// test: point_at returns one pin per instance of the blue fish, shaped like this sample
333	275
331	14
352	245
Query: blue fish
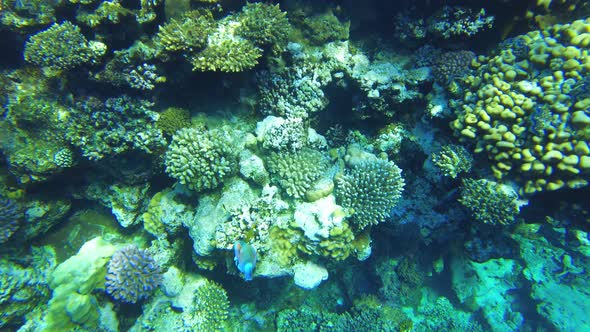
245	258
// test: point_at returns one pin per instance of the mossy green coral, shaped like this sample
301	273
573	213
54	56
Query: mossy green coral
173	119
452	160
200	159
209	311
188	34
296	172
62	46
228	55
265	25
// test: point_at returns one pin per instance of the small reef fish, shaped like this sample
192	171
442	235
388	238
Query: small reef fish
245	258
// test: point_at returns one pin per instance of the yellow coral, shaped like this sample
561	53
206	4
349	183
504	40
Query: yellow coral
528	109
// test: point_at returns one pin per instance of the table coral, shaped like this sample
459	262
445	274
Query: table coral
519	109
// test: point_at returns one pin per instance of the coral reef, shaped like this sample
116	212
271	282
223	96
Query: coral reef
62	46
490	202
24	287
114	126
452	160
369	189
132	275
11	216
295	172
200	159
518	110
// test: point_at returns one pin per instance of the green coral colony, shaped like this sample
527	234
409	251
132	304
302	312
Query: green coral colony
376	165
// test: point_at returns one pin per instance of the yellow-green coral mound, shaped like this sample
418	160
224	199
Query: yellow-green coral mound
209	310
527	108
200	159
62	46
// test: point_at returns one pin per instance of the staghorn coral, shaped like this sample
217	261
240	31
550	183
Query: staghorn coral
370	189
490	202
62	46
200	159
132	275
295	172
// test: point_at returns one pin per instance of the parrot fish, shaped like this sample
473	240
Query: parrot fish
245	258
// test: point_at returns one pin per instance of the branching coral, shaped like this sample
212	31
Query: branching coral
296	172
173	119
370	189
132	275
227	55
291	94
114	126
489	201
188	34
200	159
265	25
209	311
62	46
452	160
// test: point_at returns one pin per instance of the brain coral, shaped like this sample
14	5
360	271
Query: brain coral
132	275
370	189
200	159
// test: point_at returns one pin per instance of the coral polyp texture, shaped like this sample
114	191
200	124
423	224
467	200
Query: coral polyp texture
132	275
452	160
199	158
62	46
11	216
296	172
370	189
490	202
523	109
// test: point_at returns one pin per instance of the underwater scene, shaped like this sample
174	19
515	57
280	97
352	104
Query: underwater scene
295	165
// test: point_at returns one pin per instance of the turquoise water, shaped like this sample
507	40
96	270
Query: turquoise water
216	165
